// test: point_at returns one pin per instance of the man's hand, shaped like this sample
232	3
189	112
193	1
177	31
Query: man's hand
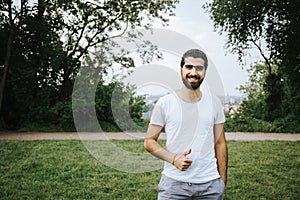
181	162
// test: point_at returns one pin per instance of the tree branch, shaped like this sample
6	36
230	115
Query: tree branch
122	33
79	38
91	43
263	55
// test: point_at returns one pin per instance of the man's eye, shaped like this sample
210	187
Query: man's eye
189	66
199	68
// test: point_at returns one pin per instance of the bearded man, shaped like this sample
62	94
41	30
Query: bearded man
195	155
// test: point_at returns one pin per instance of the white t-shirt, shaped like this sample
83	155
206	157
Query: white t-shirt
190	125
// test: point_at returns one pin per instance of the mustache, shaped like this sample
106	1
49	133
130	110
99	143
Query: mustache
193	76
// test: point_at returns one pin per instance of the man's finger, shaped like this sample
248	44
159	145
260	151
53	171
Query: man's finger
187	152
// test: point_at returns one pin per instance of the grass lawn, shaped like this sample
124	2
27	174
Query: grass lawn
66	170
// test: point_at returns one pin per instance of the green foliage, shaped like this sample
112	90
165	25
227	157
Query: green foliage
118	105
244	123
272	27
48	49
62	115
274	88
262	111
287	123
66	170
264	93
246	22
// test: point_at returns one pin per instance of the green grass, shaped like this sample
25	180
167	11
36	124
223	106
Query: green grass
66	170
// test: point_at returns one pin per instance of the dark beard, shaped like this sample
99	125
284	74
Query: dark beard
192	86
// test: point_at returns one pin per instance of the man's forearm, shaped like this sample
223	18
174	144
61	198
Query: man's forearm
180	161
222	160
158	151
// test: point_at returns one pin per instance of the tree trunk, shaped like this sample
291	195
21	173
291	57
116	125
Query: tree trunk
7	57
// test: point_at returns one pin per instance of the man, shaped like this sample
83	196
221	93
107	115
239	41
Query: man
195	156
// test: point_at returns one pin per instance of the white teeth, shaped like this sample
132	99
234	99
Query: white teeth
193	78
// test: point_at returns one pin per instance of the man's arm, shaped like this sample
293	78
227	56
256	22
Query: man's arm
151	145
221	150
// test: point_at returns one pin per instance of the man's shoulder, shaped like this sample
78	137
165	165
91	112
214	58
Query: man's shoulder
213	97
167	97
167	101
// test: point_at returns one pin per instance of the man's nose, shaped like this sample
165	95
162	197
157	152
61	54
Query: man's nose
193	70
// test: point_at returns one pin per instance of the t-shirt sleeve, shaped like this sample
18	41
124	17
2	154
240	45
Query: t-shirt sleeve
158	116
219	116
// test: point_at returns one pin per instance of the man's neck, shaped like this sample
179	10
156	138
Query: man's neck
190	95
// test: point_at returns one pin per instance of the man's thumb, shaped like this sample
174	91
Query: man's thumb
187	152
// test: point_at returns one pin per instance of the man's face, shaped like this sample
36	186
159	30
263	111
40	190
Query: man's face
193	72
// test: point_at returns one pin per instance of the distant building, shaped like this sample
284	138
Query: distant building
230	103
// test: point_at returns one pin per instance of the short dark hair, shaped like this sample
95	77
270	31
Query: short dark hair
194	53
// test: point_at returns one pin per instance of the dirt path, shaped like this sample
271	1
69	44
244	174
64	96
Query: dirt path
135	136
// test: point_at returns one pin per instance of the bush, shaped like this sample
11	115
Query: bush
109	127
289	123
62	116
241	123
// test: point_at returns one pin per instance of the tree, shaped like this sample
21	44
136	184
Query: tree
30	82
10	22
272	27
46	43
255	89
249	23
94	23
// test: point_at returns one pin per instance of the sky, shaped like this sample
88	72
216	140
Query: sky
192	21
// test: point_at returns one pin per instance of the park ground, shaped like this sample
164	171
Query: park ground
240	136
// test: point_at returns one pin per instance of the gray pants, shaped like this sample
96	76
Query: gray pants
169	188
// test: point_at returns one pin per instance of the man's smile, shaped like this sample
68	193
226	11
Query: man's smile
193	77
